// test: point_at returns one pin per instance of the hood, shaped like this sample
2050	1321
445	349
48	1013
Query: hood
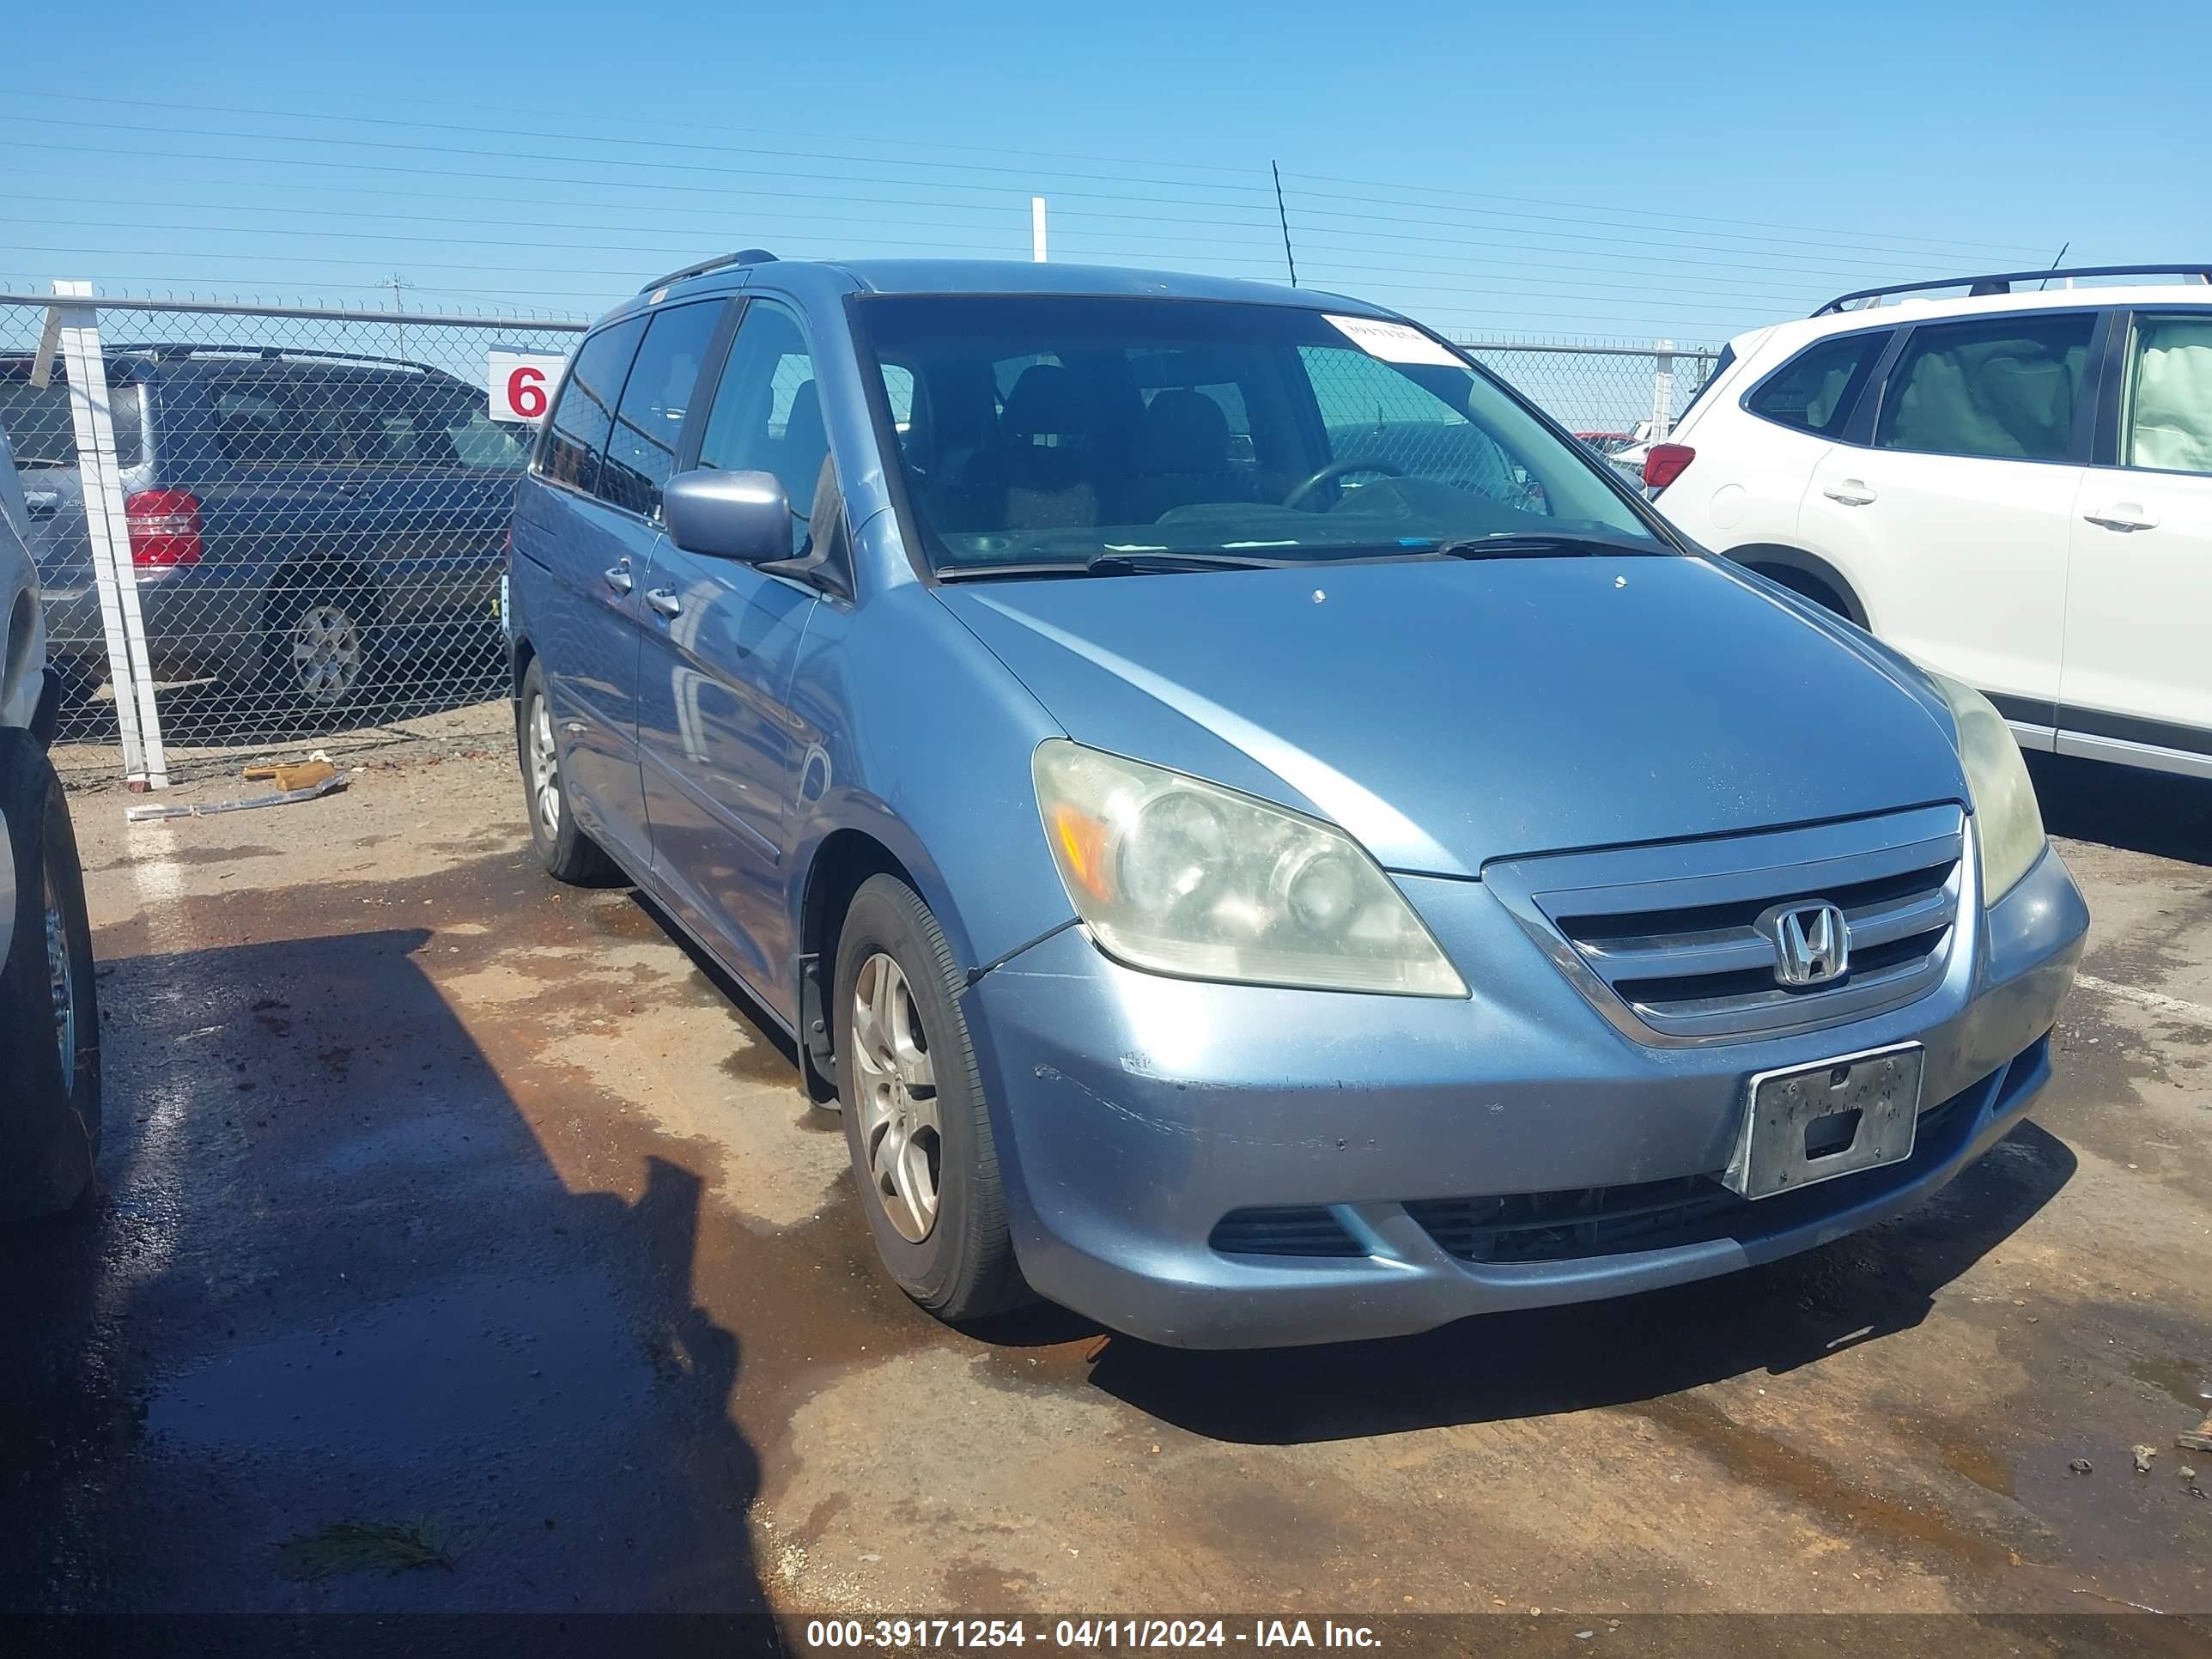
1446	713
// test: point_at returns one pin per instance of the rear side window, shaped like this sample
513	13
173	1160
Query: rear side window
2168	425
41	430
1816	390
576	431
270	421
2005	388
642	450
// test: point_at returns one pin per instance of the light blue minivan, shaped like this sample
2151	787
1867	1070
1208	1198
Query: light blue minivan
1266	838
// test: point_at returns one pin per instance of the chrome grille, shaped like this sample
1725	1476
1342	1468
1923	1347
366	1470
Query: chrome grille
1664	941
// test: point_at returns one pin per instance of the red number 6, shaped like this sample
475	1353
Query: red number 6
526	391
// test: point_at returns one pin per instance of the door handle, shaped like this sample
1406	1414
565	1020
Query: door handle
2123	515
663	600
1852	492
618	577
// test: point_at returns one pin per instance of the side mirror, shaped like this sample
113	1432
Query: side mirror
728	515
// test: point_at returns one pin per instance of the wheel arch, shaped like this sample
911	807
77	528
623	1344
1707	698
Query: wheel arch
843	860
1799	572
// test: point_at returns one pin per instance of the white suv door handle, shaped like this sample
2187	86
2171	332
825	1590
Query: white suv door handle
2123	515
1852	492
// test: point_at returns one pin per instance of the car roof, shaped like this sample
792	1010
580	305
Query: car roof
1032	277
1912	308
823	278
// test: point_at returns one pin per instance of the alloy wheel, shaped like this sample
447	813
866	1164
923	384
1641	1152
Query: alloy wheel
326	651
902	1139
545	769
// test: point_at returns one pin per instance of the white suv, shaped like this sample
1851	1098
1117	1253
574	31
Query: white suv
2013	486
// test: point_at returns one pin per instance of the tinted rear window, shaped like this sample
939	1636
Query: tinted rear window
1816	390
40	427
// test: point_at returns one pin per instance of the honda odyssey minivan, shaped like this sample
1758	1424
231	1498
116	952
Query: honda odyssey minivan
1263	838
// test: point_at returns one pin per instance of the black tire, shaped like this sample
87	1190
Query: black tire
566	851
49	1107
333	621
964	1269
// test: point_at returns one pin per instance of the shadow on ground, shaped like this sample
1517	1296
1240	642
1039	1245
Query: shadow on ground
337	1336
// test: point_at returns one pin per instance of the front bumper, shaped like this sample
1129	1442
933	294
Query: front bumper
1133	1113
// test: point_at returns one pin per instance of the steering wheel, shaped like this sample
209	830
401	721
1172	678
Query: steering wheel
1336	469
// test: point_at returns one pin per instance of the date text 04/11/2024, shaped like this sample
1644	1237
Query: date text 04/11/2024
897	1634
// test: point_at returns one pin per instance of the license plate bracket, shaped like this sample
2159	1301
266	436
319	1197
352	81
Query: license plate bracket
1807	1124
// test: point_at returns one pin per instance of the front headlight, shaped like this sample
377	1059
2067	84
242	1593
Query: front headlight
1180	875
2007	821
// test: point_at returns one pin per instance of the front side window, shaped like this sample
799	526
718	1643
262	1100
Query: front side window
576	431
417	423
1056	429
2168	423
641	449
1816	390
767	416
2004	388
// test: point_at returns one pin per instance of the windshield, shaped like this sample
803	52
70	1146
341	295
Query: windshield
1058	429
38	425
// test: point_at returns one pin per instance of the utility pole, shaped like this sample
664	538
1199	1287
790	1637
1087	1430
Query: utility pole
1036	228
395	282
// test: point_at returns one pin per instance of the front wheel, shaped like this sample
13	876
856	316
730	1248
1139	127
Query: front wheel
914	1119
49	1012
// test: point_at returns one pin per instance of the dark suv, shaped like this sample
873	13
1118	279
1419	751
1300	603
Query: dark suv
293	515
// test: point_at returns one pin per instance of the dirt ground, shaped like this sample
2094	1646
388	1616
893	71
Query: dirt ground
466	1214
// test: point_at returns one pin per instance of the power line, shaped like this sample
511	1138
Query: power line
664	165
632	243
1155	217
906	145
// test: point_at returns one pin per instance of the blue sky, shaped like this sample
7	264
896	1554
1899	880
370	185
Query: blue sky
1567	170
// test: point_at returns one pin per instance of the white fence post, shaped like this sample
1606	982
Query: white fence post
74	331
1662	389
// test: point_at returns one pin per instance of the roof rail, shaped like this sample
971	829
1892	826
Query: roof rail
172	350
743	256
2001	281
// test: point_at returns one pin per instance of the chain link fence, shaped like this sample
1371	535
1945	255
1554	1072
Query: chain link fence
291	531
1604	392
264	529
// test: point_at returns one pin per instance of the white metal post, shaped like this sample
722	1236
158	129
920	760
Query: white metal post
1662	390
74	331
1036	228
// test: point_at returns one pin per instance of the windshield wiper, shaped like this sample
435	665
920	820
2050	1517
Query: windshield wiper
1131	563
1547	544
1143	561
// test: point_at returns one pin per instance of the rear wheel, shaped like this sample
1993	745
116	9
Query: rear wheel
567	853
49	1012
317	654
914	1118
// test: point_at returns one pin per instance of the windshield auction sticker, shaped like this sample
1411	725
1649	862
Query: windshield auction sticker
1394	343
